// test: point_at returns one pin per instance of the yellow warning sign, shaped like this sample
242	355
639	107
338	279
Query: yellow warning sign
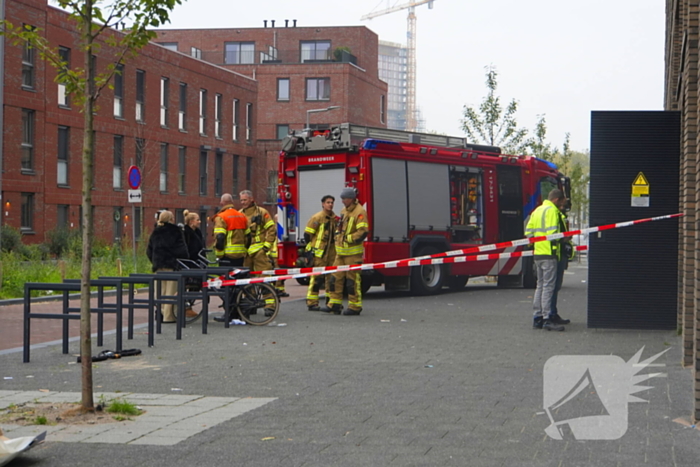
640	180
640	191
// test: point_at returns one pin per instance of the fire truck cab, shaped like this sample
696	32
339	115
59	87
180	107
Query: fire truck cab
423	194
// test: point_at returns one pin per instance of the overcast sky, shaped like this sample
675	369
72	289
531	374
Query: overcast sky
560	58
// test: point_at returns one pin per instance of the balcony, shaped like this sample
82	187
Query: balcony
271	55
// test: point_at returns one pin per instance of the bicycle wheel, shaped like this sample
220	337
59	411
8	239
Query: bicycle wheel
257	304
196	310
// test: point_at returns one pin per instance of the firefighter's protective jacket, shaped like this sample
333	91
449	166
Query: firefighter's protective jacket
263	230
320	229
352	230
233	226
545	220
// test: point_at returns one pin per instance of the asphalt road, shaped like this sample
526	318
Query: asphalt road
452	379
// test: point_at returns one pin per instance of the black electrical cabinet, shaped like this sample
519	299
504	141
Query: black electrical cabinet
632	271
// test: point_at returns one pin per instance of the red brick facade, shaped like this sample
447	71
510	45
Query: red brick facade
157	63
248	162
355	87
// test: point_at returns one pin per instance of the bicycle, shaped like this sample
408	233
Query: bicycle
256	304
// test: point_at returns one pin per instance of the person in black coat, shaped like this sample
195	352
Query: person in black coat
165	246
193	235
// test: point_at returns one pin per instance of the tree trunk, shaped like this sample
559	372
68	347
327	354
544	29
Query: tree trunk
86	265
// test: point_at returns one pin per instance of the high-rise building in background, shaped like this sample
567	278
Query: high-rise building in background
393	69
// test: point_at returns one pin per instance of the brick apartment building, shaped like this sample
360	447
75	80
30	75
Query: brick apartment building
189	125
297	69
200	121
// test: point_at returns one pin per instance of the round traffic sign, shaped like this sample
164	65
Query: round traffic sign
134	177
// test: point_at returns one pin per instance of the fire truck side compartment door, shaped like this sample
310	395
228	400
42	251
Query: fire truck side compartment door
428	196
389	207
314	185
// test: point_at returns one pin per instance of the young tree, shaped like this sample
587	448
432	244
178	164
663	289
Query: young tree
538	146
490	124
575	165
96	23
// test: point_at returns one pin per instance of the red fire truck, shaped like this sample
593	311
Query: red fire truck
423	193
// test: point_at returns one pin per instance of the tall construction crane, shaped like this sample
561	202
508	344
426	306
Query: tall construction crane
411	120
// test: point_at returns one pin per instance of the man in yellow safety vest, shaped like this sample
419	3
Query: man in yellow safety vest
545	220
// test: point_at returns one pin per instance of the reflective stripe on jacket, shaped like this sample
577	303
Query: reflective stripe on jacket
352	230
263	230
321	228
544	221
234	225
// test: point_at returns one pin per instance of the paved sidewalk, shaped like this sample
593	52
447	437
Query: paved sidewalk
168	419
455	379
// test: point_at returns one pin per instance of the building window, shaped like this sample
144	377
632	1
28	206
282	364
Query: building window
249	122
203	173
248	173
138	153
182	114
182	168
382	109
169	45
27	212
93	159
202	111
237	53
164	167
236	182
64	55
137	223
140	95
196	53
118	161
28	62
63	216
236	111
218	173
282	89
315	50
218	114
282	131
164	101
118	224
119	91
272	187
63	147
180	216
27	139
318	89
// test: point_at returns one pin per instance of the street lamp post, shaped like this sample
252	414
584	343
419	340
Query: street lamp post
311	111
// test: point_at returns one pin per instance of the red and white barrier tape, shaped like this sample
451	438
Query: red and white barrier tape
455	256
483	248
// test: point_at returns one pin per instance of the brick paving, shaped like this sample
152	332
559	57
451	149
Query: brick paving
452	379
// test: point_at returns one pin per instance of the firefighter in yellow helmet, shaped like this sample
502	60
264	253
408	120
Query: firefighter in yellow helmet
319	234
350	235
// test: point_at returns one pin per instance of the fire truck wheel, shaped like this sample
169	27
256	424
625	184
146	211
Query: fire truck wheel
303	281
428	279
457	282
